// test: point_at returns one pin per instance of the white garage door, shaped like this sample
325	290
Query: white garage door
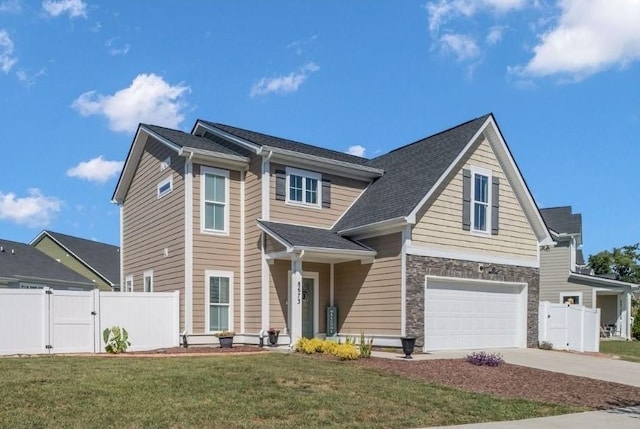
474	314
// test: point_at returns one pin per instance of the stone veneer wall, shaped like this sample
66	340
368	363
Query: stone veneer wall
420	266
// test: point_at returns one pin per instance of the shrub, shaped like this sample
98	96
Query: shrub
635	329
309	345
346	352
116	340
545	345
365	346
483	358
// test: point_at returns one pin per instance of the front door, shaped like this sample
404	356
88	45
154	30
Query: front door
307	307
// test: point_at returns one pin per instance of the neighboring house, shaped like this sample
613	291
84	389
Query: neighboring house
25	267
99	262
438	239
564	277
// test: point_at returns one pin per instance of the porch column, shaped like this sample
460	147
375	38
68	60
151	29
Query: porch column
295	304
627	319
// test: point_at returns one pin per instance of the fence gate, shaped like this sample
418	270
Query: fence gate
569	327
72	321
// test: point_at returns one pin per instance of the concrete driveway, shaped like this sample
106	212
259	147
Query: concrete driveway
600	368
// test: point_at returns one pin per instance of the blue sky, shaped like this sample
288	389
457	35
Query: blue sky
76	77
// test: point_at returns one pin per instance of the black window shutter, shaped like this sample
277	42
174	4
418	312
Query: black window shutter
326	193
495	205
466	199
281	184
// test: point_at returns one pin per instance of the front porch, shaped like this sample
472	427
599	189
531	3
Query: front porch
301	284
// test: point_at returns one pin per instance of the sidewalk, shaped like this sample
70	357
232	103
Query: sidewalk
622	418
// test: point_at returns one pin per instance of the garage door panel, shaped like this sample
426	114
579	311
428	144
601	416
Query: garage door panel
470	315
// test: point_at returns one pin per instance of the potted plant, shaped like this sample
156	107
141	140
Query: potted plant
273	335
408	343
226	339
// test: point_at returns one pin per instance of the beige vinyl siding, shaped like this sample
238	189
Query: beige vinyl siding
220	252
253	254
439	224
53	249
344	192
279	293
554	275
368	296
151	225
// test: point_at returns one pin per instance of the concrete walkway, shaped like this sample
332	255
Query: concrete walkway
600	368
624	418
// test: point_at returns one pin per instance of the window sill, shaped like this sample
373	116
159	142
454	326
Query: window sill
303	205
213	232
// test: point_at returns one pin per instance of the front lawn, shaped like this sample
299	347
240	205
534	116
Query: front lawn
627	350
268	390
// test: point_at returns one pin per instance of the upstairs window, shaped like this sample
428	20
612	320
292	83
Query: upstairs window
215	200
303	187
480	201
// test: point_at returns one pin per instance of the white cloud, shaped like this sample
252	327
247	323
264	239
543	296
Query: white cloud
589	37
495	34
356	150
75	8
30	79
96	170
10	6
35	210
441	11
7	60
462	46
283	84
298	45
113	50
148	99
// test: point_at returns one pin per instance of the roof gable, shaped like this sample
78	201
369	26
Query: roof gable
101	258
410	171
561	220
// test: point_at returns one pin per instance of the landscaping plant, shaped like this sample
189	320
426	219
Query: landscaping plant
365	346
545	345
116	340
635	329
347	351
484	358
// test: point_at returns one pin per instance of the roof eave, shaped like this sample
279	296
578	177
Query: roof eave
347	169
232	161
382	227
603	281
228	136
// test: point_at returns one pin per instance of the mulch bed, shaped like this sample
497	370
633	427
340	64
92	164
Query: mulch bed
196	350
513	381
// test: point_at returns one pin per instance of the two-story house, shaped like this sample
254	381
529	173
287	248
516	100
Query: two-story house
565	278
438	239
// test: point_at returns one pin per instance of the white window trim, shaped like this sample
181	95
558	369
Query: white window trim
217	172
147	274
305	174
567	294
484	172
207	296
128	279
168	180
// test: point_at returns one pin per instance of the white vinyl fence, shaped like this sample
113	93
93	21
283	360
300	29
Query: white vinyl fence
61	321
569	327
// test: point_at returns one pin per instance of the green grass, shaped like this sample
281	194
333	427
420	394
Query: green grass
627	350
269	390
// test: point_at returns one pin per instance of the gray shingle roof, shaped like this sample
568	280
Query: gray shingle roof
280	143
307	236
410	172
101	257
579	257
27	261
183	139
561	220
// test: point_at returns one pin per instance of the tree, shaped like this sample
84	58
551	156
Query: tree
623	261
